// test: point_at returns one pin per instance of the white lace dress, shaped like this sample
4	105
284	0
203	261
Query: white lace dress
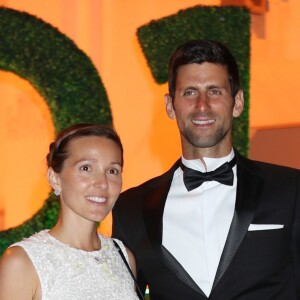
66	273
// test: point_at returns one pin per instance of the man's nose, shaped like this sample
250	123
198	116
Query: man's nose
202	103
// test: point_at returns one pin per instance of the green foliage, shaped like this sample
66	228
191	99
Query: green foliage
64	76
228	24
73	90
52	63
46	217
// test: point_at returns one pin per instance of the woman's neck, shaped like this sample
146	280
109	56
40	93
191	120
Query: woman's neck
80	237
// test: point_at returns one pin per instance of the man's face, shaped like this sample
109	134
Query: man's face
204	109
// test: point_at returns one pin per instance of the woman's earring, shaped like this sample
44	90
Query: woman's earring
56	193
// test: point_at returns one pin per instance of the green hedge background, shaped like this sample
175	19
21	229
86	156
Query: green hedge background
73	90
64	76
227	24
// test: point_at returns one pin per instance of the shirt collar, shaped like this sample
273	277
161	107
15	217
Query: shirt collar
211	163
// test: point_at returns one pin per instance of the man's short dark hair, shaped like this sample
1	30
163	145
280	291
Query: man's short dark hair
200	51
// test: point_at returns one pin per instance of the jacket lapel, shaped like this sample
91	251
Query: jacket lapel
154	207
173	265
249	187
153	216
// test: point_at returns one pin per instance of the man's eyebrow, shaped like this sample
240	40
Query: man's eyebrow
215	86
190	87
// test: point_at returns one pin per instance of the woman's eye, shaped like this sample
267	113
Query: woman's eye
113	171
85	168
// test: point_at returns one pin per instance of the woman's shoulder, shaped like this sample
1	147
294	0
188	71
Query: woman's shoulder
20	254
111	243
14	263
114	243
15	257
41	236
108	243
17	274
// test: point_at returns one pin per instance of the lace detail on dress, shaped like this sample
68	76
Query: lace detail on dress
68	273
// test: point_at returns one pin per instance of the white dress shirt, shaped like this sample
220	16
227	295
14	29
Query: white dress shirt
196	223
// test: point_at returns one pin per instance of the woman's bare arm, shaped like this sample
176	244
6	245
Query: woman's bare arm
131	261
18	278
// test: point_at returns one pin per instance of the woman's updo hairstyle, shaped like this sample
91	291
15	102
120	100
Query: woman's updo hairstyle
58	150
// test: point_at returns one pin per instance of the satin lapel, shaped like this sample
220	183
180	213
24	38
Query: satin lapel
249	187
153	216
154	207
171	262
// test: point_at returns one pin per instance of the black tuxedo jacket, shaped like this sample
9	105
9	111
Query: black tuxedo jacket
255	265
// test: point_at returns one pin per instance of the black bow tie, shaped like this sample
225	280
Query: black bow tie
224	174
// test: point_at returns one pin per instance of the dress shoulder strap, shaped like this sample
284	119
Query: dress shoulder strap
129	270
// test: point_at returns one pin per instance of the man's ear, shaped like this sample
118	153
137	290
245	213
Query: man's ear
169	106
238	104
53	179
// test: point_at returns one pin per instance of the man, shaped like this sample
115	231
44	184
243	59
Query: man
237	239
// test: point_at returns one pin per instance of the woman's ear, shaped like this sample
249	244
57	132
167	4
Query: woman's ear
169	106
238	104
54	181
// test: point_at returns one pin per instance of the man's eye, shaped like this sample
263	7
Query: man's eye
215	92
189	93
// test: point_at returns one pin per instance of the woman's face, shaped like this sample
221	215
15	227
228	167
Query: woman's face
91	178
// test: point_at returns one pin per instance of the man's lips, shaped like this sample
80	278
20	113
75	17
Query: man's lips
203	122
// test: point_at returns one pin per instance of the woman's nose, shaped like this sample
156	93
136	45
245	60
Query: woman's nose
100	181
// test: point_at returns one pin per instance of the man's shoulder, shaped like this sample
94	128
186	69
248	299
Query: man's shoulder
150	184
262	167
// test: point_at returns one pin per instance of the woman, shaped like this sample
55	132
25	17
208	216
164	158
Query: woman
71	260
